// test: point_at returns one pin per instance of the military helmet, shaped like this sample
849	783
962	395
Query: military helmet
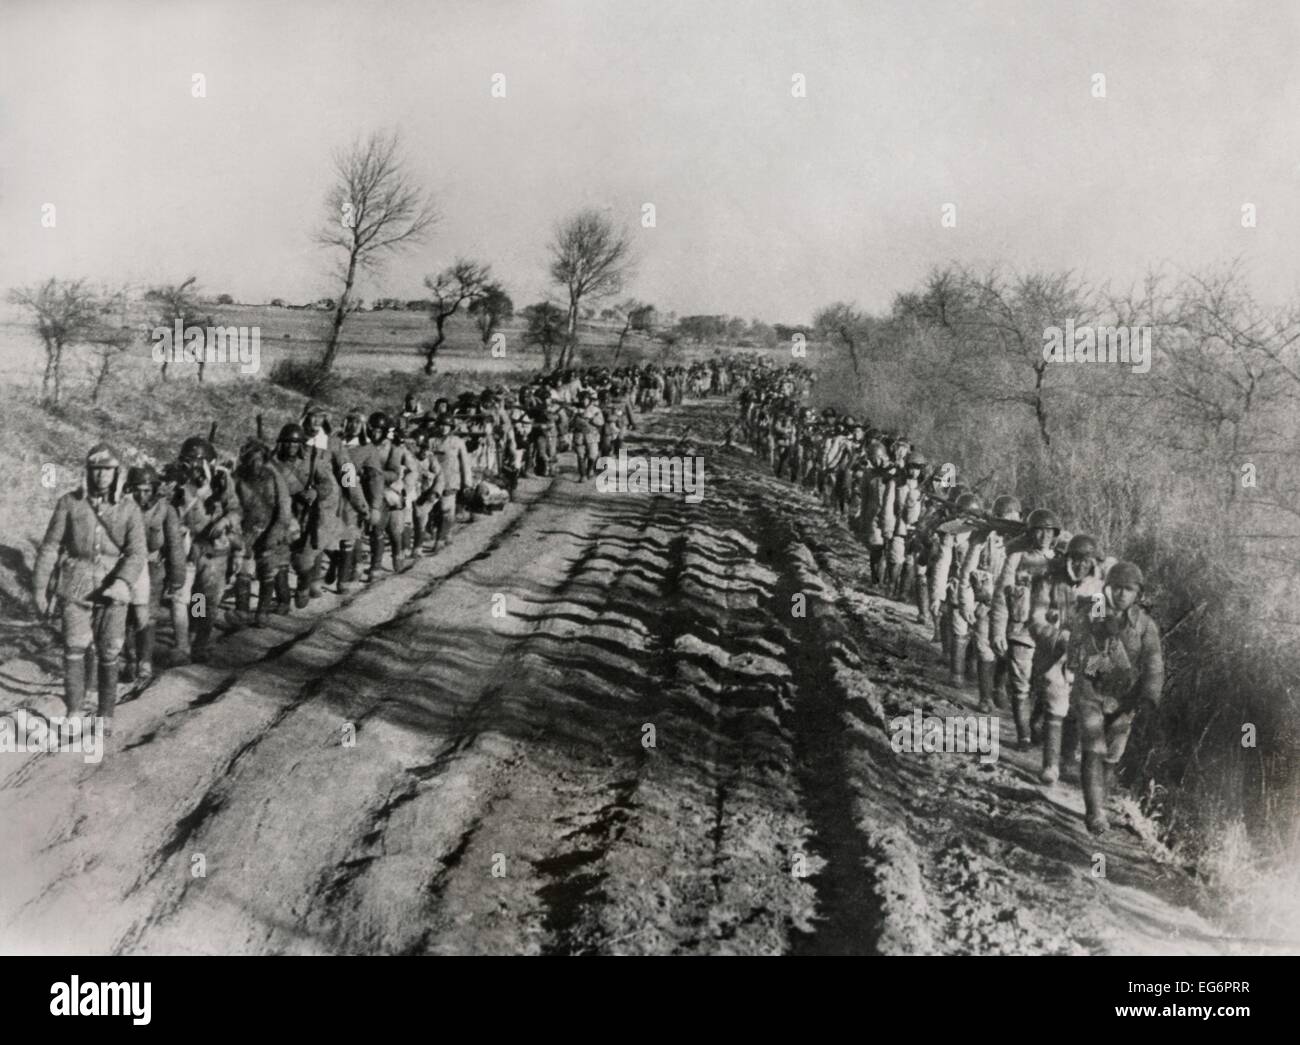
1082	545
1043	519
253	447
970	502
1005	505
102	455
916	459
292	433
141	475
1125	575
196	448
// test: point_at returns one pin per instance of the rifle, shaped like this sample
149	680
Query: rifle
212	433
1008	528
259	429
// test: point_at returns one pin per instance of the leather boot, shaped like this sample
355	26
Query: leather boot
956	660
347	567
900	587
332	569
144	643
1001	696
1020	708
984	674
300	594
74	681
1093	773
1051	750
315	589
180	614
282	593
108	670
376	553
243	599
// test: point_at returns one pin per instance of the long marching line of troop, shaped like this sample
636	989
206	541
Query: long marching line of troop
1053	628
145	541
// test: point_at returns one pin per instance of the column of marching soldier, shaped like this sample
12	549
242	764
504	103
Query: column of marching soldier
1051	626
278	523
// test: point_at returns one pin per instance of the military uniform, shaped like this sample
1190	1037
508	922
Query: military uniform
98	542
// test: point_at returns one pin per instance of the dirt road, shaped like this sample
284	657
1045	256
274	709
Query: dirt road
595	725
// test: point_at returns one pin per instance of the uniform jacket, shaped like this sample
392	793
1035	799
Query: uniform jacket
454	459
1118	657
165	539
210	514
266	515
1012	592
90	561
981	566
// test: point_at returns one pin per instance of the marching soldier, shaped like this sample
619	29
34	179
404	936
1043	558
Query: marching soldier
165	569
314	500
945	586
457	474
1070	582
1028	558
209	515
980	568
269	528
96	536
1118	666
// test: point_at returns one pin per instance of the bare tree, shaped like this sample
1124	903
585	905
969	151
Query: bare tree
110	339
374	209
490	309
636	315
844	325
173	303
591	258
64	313
546	327
459	283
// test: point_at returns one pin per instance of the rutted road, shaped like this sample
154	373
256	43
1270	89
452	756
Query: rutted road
593	725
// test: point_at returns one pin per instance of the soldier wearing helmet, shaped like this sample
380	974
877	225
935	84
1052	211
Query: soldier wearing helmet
908	504
165	568
457	474
1027	559
97	538
382	468
980	567
268	525
208	510
1072	581
877	518
1117	664
314	501
945	584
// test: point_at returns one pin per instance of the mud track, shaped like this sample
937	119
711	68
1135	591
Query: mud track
598	724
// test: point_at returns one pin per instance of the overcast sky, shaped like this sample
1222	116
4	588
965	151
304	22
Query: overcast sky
767	204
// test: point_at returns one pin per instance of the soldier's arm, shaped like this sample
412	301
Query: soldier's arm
49	549
941	567
466	469
1006	581
174	543
135	550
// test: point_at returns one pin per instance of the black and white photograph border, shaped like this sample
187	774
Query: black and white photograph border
558	477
